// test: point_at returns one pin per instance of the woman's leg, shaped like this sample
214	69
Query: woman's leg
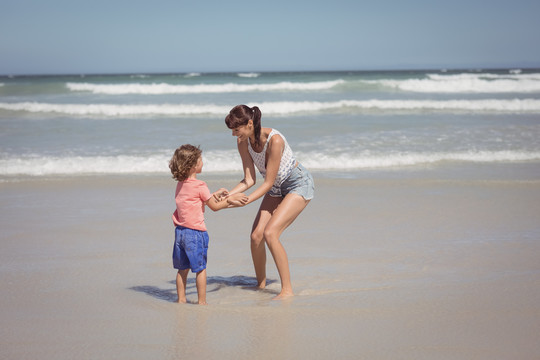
287	211
258	248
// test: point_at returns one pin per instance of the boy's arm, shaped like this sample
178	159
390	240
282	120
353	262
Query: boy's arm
217	201
216	205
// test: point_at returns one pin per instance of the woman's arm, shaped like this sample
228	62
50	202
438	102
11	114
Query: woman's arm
249	169
274	152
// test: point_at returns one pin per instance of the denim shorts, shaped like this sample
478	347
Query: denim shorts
299	182
190	249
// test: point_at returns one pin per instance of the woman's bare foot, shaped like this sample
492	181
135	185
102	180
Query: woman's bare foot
259	286
283	295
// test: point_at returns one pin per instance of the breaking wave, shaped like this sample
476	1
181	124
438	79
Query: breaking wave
281	108
227	161
467	83
164	88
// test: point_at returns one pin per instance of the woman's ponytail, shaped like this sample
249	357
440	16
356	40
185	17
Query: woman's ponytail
256	124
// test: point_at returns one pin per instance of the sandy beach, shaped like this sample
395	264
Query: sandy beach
413	264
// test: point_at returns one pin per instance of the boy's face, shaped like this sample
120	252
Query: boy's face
199	166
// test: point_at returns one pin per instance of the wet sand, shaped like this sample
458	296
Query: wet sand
396	265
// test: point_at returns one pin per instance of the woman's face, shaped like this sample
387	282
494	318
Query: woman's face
243	131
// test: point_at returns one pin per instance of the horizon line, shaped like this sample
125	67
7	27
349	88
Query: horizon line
438	69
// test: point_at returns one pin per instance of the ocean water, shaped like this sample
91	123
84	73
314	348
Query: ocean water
338	123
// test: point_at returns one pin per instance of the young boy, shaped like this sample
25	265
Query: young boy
191	237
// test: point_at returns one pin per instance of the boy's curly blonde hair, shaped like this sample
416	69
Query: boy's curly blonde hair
183	160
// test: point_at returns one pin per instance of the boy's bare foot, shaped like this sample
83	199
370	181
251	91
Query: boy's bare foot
203	303
181	301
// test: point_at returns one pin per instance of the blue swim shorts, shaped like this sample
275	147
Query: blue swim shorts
190	249
299	182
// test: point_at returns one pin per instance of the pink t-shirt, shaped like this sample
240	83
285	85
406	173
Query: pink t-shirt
191	196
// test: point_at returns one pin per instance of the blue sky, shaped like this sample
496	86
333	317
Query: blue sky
98	36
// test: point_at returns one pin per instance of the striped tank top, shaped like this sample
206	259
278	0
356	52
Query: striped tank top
286	166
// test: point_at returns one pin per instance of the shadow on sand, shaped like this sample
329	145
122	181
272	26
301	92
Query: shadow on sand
214	283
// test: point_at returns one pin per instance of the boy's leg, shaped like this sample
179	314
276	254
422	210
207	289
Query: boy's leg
181	283
201	286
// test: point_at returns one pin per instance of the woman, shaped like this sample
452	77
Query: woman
287	189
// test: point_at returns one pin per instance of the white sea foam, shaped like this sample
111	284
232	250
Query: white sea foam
36	165
249	75
228	161
511	82
80	165
321	161
280	108
116	109
488	105
467	83
163	88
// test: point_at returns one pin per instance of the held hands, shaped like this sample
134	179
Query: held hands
235	200
239	199
221	194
